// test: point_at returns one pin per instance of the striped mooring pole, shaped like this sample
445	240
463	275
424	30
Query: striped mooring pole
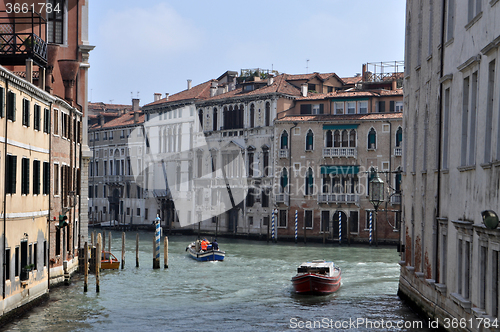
371	226
272	226
157	241
340	227
296	215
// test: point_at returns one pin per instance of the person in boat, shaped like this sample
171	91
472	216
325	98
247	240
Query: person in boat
204	244
215	245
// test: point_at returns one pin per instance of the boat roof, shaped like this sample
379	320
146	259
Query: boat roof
317	264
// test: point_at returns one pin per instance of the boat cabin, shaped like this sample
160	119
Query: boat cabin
320	267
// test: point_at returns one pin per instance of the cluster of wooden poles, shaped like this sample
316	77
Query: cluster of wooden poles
99	243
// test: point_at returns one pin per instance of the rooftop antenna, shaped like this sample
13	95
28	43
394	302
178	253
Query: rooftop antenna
137	94
111	101
307	66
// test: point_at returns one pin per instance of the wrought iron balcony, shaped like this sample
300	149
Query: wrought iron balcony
282	198
283	153
398	152
20	39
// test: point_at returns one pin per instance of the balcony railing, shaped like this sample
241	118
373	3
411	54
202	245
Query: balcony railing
398	152
340	152
283	153
16	47
396	199
338	198
282	198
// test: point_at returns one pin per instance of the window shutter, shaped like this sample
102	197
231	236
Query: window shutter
2	102
391	106
381	106
284	141
321	109
46	178
11	106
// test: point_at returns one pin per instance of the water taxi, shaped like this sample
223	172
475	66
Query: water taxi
109	261
210	254
318	277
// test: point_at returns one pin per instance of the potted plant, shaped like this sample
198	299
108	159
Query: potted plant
26	270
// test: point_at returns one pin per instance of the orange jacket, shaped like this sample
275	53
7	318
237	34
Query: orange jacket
204	245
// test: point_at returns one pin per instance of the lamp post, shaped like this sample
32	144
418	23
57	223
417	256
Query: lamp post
376	186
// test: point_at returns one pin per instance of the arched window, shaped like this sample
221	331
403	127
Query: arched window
336	138
252	115
214	123
329	139
241	116
230	118
200	116
399	136
268	114
372	139
309	182
397	184
352	138
309	140
283	180
345	139
284	140
224	118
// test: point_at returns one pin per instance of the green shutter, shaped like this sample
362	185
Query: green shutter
2	102
284	140
340	127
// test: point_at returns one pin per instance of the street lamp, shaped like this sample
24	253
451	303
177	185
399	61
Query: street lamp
376	186
376	197
490	219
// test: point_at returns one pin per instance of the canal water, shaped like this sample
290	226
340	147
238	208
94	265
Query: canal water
250	291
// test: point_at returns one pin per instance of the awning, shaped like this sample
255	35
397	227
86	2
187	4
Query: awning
336	169
340	126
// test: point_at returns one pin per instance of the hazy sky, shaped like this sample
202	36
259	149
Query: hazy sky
149	46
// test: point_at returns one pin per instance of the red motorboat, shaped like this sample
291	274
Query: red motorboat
317	277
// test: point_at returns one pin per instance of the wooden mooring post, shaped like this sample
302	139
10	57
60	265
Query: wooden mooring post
165	253
85	267
137	250
109	241
123	250
98	262
103	243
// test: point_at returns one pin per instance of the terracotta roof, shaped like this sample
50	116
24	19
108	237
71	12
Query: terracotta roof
352	80
197	92
124	120
349	117
108	107
280	85
352	93
298	77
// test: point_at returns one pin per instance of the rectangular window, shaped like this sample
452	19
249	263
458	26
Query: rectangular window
282	218
489	111
353	222
325	221
446	129
35	256
265	197
465	120
474	9
56	179
16	262
11	106
250	220
351	107
56	122
11	170
450	24
36	177
105	167
44	253
494	277
46	120
317	109
111	134
58	241
362	107
308	219
265	221
36	117
339	107
472	118
146	214
55	21
2	102
311	87
25	176
128	211
105	136
7	264
138	211
398	106
26	112
483	265
381	106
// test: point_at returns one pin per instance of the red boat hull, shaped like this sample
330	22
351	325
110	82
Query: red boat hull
311	283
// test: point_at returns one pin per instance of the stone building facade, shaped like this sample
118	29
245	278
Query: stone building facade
450	263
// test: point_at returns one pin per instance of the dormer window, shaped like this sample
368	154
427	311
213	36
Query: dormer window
249	87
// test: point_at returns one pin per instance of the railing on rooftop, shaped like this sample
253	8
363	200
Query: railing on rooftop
21	38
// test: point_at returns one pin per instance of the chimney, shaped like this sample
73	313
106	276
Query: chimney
135	105
166	96
136	115
394	84
303	89
189	84
69	70
29	70
270	80
157	96
213	89
363	72
220	90
52	54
